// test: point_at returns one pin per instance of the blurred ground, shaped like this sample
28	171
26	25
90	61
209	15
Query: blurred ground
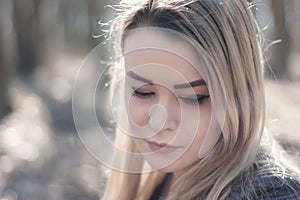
41	156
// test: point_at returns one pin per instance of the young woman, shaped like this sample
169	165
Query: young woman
194	104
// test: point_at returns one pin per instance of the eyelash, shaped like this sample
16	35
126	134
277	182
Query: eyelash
199	100
140	94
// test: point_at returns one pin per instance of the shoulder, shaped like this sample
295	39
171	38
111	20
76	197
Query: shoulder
267	179
276	182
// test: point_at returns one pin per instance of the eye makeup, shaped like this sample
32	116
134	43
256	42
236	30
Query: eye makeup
189	99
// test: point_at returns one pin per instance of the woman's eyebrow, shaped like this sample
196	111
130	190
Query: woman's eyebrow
177	86
190	84
139	78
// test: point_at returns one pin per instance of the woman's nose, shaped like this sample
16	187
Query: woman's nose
157	117
164	116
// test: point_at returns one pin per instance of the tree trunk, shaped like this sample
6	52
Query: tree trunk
25	18
280	52
6	56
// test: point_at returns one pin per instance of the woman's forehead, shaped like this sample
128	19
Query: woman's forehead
155	51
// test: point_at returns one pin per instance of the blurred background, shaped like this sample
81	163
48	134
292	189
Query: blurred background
42	45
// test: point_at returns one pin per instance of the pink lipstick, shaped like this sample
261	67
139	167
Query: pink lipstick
161	147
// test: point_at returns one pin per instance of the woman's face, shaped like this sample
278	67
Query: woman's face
167	99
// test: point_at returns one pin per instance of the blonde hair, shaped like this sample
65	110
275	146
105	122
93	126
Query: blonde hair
227	32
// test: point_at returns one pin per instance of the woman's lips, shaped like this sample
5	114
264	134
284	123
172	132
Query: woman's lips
161	147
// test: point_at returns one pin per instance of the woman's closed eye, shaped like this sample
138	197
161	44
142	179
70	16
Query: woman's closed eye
197	99
141	94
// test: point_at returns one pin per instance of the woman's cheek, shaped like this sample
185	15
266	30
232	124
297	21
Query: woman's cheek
138	112
195	128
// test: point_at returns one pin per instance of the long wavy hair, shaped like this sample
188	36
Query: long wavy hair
227	32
